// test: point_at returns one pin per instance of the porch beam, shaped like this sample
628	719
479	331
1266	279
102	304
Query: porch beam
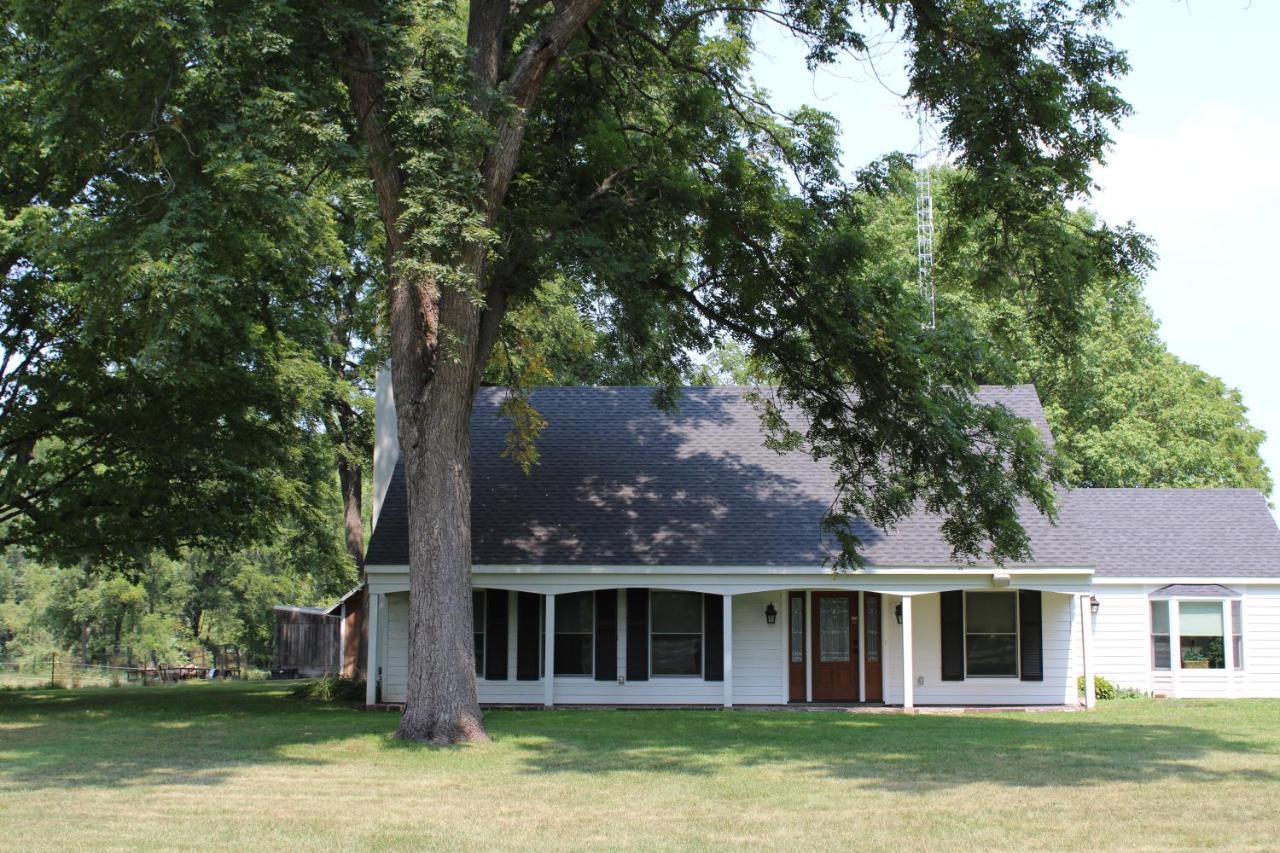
549	652
908	673
371	664
1086	651
728	651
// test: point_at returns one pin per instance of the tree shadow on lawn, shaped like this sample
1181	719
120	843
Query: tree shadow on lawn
891	752
163	735
202	735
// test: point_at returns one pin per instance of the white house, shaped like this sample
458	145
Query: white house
656	558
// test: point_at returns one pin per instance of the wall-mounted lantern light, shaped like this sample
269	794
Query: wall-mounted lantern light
771	613
897	613
1094	605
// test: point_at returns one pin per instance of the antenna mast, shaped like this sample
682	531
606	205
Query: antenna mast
924	232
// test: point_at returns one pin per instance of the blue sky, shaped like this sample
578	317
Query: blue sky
1195	167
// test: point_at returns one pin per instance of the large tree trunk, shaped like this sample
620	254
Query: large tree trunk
435	439
351	482
434	390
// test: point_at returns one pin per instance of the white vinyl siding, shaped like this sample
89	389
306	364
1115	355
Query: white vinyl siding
1122	645
1058	620
758	665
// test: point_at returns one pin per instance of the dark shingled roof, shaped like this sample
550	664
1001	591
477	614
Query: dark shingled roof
622	483
1176	532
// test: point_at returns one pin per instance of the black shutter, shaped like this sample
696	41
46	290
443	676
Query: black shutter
638	634
606	634
953	636
1030	635
528	636
713	637
496	607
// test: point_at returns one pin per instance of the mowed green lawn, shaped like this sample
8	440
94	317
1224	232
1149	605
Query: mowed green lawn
204	766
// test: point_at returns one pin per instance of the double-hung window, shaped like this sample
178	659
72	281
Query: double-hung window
1160	657
1237	634
1201	635
675	633
575	630
991	633
477	627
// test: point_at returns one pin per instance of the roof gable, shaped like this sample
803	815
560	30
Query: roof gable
1176	532
622	483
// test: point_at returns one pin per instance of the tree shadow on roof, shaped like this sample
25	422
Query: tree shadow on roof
621	484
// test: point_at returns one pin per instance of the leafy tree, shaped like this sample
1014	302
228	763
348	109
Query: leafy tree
1124	410
624	145
158	386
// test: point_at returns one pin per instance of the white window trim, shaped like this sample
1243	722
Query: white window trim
1241	661
1226	635
591	634
702	622
1017	636
1151	637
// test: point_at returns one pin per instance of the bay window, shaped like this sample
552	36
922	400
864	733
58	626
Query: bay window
1160	658
1237	635
1200	635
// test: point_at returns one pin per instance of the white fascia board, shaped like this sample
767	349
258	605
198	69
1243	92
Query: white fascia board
723	580
1224	580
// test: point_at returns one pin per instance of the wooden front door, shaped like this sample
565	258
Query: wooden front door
835	647
873	647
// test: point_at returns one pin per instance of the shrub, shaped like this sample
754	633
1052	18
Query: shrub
330	688
1102	688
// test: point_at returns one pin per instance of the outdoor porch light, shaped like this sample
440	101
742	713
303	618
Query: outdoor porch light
897	613
1094	605
771	613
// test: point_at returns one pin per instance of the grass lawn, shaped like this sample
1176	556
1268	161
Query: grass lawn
244	764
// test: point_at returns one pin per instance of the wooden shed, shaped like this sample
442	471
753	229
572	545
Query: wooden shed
307	642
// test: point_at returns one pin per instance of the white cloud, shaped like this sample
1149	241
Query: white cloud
1211	169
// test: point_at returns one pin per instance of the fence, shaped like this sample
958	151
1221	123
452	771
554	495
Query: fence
63	670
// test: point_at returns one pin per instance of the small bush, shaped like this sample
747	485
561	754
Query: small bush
1102	688
331	689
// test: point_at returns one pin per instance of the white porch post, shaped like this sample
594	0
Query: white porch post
548	677
1228	648
808	645
862	652
1086	650
1175	647
728	651
371	665
908	674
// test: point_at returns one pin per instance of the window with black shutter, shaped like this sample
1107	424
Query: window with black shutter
1030	635
952	635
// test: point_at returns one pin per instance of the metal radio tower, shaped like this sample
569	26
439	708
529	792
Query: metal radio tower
924	234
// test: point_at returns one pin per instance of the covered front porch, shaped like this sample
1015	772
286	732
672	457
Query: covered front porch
711	637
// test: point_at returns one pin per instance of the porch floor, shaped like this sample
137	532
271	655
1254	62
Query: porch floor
843	707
